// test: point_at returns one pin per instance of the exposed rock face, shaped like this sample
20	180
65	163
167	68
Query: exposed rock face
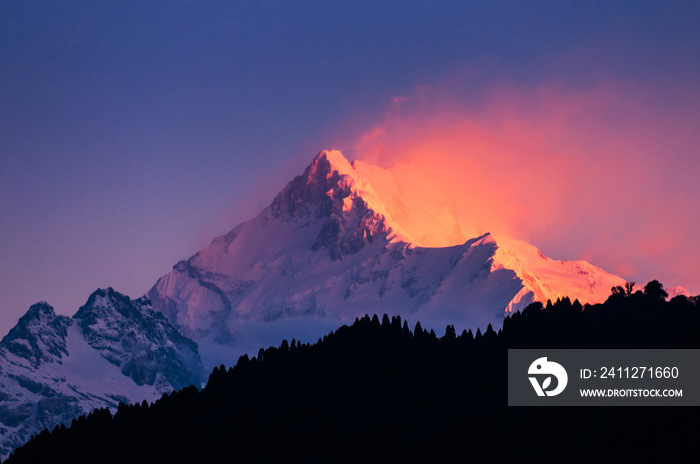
142	342
39	336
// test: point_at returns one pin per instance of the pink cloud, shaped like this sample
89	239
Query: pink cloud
608	173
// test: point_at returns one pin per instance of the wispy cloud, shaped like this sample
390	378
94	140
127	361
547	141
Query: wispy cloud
607	173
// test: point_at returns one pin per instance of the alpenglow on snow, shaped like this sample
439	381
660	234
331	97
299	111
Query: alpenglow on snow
328	250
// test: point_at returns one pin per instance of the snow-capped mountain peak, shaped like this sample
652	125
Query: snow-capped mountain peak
142	342
329	249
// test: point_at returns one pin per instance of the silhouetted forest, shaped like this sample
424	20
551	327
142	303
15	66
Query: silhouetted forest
380	390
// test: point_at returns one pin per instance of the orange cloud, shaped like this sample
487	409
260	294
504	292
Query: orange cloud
609	173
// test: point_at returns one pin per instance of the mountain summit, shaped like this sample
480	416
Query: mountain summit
328	250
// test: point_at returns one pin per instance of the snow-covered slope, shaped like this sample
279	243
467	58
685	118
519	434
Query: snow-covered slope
330	248
54	368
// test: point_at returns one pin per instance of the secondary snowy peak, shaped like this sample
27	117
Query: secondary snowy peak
140	341
54	368
38	337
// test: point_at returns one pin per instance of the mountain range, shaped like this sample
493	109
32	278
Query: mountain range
338	242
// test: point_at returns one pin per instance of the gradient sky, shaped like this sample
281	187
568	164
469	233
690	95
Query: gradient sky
132	133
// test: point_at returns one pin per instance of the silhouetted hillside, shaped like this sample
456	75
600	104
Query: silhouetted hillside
379	391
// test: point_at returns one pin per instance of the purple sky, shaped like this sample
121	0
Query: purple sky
132	133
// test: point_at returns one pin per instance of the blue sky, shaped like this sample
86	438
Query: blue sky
132	133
